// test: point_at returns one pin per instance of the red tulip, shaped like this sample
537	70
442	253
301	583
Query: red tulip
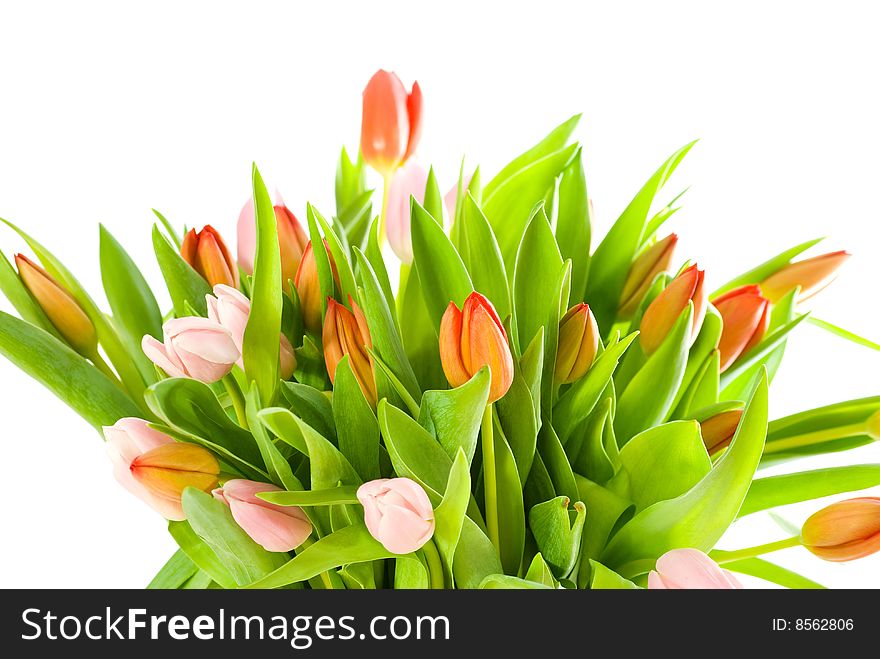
746	316
391	123
812	275
206	252
663	312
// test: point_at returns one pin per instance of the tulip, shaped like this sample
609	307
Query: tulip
844	531
746	316
651	262
292	240
661	315
397	513
231	309
346	333
59	306
409	181
472	338
718	430
689	569
578	344
155	468
198	348
450	199
812	275
274	528
308	288
206	252
391	122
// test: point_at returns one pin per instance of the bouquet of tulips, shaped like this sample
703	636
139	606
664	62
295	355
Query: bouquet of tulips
514	409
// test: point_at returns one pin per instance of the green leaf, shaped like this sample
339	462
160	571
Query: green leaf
312	406
664	462
607	512
539	572
192	408
699	360
509	498
590	458
374	255
480	252
340	256
651	393
353	544
433	203
453	416
612	258
604	579
519	423
351	180
418	332
185	285
276	464
133	304
172	233
450	514
245	560
442	273
200	553
175	573
64	372
760	273
554	458
757	567
578	401
344	494
260	349
410	573
785	489
699	517
15	291
475	557
311	370
573	225
844	334
504	582
356	425
558	534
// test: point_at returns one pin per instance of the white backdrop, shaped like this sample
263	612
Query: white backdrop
108	110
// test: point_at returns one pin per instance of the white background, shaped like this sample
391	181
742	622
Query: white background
108	110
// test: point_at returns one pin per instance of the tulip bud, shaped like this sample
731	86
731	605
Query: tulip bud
292	240
59	306
844	531
651	262
274	528
346	333
812	275
409	180
155	468
397	513
231	309
472	338
578	344
746	316
391	122
206	252
198	348
690	569
308	287
718	430
663	312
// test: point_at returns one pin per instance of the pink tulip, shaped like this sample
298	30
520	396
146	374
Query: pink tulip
397	513
689	569
409	180
198	348
452	197
274	528
231	309
155	468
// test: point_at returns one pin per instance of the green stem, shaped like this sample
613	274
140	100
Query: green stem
102	366
405	269
324	576
815	437
237	398
386	189
435	566
489	483
722	557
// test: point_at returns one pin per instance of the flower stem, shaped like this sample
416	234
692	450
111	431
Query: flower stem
750	552
489	483
815	437
102	366
237	399
435	567
324	576
386	188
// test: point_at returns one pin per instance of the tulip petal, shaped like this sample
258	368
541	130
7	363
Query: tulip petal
385	126
450	346
271	529
156	353
692	569
247	236
488	347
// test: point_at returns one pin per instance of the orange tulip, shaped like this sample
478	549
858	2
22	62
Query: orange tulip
812	275
663	312
472	338
391	123
746	317
718	430
167	470
59	306
844	531
206	252
578	344
650	263
308	287
346	333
